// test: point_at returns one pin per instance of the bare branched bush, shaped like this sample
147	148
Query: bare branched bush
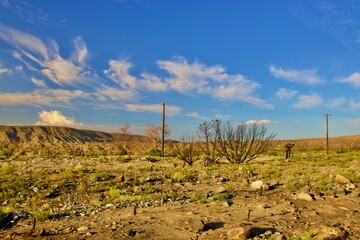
208	136
185	149
243	143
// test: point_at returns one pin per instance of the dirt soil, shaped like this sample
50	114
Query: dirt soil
277	212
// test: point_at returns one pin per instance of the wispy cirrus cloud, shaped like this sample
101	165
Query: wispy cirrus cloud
353	79
285	94
25	11
309	77
46	58
212	80
185	78
197	116
38	82
308	101
336	102
171	110
43	97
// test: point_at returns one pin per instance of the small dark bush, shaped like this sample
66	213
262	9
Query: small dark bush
155	152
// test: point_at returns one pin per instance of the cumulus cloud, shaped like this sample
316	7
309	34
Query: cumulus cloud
56	118
38	82
353	79
197	115
285	94
45	58
309	77
308	101
259	122
171	110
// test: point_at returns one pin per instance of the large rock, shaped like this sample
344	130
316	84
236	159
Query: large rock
341	179
239	233
330	233
259	184
304	196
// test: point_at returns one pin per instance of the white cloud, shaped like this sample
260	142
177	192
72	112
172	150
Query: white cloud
43	97
156	108
212	80
186	77
308	101
309	77
355	104
353	79
285	94
46	58
117	94
336	102
119	73
259	122
152	83
4	70
196	115
56	118
38	82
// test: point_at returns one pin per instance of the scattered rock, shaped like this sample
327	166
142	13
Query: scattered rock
259	185
220	189
239	233
83	228
330	233
304	196
350	186
341	179
197	225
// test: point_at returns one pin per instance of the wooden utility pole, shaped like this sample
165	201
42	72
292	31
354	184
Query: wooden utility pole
163	131
327	133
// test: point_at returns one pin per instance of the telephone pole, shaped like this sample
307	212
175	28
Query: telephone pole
163	131
327	133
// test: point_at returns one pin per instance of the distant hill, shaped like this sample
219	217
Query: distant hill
50	134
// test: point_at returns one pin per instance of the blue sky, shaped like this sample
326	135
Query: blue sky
98	64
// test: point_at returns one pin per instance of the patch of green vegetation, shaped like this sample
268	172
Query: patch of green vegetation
114	192
7	169
5	153
198	197
154	152
41	215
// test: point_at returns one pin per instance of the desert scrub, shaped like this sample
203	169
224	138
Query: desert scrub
185	174
5	153
154	152
198	197
41	215
7	169
114	192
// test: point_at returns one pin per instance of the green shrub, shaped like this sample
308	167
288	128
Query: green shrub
7	169
5	153
41	215
154	152
114	192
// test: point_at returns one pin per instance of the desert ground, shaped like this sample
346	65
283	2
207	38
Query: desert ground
65	195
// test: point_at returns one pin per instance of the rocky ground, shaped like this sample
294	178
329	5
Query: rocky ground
148	198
